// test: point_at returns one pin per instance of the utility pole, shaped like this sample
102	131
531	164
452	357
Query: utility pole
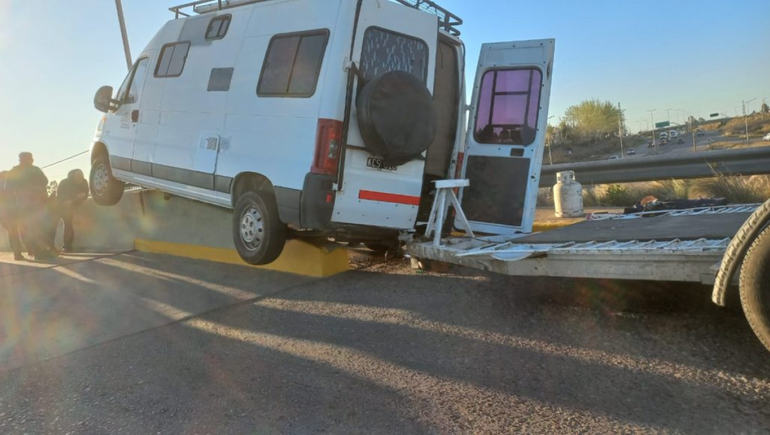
620	129
652	124
746	118
123	33
694	137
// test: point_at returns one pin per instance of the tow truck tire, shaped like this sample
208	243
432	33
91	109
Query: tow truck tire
105	189
258	233
755	287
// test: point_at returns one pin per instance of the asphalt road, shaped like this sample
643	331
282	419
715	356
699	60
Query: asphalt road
202	348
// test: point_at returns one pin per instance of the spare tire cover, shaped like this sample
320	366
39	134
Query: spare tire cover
396	117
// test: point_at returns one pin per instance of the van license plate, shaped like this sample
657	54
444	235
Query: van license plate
376	163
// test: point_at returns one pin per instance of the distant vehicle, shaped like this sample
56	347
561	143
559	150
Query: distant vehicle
631	151
700	133
663	135
767	137
613	158
680	141
663	141
673	133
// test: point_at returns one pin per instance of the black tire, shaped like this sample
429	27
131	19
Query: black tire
258	233
105	189
755	287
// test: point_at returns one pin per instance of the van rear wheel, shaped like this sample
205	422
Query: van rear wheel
105	189
258	233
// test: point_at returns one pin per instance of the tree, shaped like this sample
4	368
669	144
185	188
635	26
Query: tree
52	187
765	108
593	119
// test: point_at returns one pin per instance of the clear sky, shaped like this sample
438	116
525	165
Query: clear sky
700	56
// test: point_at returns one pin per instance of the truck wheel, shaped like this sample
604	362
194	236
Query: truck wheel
258	233
755	287
105	189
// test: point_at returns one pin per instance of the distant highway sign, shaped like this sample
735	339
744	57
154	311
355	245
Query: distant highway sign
662	124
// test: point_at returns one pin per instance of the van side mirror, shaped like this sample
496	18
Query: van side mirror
103	99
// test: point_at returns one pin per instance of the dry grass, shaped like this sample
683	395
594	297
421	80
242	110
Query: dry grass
758	123
736	189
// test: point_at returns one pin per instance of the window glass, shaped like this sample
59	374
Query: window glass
509	102
137	83
218	27
172	60
279	61
384	51
292	65
219	80
307	65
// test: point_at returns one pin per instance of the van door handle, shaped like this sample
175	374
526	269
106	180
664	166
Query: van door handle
135	116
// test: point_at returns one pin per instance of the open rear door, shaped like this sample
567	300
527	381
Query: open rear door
389	37
506	135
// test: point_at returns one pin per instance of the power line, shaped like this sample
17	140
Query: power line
64	160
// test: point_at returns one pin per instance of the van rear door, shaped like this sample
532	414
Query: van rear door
506	135
388	37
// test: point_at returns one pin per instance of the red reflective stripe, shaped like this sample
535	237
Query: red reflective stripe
388	197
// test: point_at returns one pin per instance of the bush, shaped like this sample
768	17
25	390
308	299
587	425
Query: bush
670	189
737	190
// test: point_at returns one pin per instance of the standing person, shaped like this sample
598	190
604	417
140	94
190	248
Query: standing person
8	220
29	185
72	192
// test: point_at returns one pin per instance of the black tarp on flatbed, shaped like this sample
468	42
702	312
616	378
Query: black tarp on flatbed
693	227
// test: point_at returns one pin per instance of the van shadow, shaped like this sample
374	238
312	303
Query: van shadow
463	329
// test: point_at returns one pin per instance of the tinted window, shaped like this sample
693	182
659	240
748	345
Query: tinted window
219	80
172	59
509	102
218	27
292	65
384	51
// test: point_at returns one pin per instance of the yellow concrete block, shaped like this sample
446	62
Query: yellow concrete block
298	257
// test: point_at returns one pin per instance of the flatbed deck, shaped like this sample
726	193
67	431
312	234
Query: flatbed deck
682	245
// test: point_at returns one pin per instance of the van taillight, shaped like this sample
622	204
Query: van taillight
328	144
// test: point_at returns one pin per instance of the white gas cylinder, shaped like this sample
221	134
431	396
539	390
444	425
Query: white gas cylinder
568	195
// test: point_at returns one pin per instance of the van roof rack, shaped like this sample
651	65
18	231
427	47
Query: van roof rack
448	21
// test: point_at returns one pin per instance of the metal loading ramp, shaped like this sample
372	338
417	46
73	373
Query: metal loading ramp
661	246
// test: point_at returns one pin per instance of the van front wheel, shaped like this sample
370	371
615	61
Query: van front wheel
258	233
105	189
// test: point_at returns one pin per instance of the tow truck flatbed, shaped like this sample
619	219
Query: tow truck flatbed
681	245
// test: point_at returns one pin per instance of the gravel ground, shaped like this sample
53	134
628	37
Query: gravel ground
384	350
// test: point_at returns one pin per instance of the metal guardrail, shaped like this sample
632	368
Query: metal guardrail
751	161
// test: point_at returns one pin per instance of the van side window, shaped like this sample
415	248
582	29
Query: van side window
509	102
218	27
172	59
385	51
292	64
129	91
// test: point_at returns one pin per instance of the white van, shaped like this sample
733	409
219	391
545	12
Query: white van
325	119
